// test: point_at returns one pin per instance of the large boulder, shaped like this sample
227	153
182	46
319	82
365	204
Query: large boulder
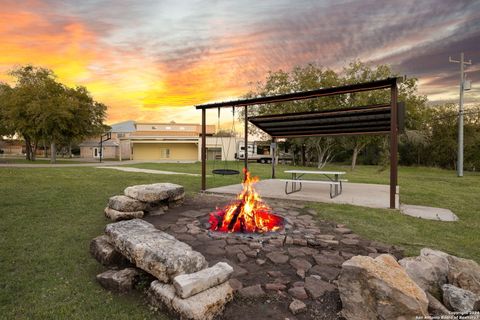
154	251
187	285
155	192
379	288
126	204
464	273
429	272
460	300
202	306
105	253
116	215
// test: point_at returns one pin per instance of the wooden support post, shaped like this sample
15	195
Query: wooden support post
246	143
204	150
273	154
393	145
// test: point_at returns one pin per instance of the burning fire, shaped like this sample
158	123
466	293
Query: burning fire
248	213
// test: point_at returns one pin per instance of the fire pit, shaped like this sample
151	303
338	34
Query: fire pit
247	214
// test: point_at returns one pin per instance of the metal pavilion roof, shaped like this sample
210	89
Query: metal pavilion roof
374	119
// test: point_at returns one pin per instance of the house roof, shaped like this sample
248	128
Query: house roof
126	126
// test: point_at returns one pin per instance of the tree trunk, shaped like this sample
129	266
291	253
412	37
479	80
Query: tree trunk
53	152
34	150
69	149
303	155
28	149
45	149
354	157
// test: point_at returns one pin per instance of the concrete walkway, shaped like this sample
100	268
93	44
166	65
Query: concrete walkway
85	164
429	213
131	169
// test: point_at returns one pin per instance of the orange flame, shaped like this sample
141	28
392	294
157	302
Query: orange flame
248	213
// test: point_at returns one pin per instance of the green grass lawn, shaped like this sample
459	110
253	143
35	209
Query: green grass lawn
49	216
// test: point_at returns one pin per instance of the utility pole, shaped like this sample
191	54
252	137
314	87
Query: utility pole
462	63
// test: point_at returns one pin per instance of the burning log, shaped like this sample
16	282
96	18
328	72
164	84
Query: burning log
247	214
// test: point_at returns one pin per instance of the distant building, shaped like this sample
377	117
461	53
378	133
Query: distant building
12	147
159	141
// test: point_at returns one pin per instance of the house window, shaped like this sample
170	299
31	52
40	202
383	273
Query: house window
120	135
97	152
164	153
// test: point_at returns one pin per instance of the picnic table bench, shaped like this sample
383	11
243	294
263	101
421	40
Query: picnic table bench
332	180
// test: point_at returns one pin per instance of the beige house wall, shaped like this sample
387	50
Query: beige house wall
157	151
108	153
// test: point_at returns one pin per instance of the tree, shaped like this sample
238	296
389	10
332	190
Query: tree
40	108
358	72
308	77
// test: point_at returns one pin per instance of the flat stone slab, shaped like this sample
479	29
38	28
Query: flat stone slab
154	251
429	213
155	192
116	215
127	204
105	253
188	285
120	281
202	306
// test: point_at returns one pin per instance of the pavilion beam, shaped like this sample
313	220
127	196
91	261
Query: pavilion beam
274	154
323	92
204	150
245	166
393	145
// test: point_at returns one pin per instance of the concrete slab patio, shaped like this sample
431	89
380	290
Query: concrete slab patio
358	194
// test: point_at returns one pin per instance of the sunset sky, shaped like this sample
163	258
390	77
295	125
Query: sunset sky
154	60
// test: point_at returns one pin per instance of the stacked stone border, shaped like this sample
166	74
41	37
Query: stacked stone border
180	280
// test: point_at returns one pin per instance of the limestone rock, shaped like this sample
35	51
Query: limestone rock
154	251
203	306
316	287
254	291
116	215
120	281
126	204
379	288
297	306
105	253
277	257
298	292
300	264
464	273
155	192
429	272
458	299
187	285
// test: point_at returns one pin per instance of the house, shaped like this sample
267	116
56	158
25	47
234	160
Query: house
12	147
172	141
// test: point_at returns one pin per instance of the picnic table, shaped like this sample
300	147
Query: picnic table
333	179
